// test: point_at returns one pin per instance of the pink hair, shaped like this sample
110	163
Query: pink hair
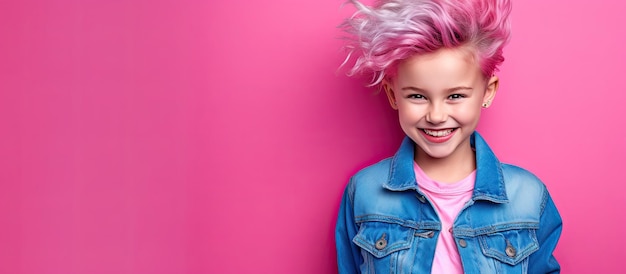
395	30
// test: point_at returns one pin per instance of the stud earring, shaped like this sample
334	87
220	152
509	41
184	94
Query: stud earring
486	104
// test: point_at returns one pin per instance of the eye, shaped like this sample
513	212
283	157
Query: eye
456	96
416	96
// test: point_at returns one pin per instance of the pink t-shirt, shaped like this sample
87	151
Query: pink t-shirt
448	199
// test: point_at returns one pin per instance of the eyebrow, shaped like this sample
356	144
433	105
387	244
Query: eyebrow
448	90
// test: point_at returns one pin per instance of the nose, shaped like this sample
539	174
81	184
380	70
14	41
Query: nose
436	114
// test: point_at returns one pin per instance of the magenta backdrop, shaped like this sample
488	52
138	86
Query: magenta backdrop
216	136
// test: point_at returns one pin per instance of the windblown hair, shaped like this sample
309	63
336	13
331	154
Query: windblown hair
381	36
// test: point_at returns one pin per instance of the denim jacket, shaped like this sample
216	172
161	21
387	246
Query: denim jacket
386	225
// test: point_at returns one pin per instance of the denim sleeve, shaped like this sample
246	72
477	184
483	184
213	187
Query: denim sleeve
348	255
550	226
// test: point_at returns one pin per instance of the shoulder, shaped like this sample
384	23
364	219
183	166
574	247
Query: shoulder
371	177
374	173
517	176
522	185
369	180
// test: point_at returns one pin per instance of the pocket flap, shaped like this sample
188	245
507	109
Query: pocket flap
511	246
381	239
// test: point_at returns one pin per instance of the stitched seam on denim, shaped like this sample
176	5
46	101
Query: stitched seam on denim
501	179
406	185
393	220
484	197
370	262
392	170
497	266
471	232
369	247
414	251
544	199
392	256
398	262
502	257
512	261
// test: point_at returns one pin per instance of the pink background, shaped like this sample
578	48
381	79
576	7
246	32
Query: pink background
217	136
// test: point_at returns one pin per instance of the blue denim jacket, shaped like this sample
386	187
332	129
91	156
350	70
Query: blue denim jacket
386	225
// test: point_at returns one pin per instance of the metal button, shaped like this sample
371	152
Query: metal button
421	198
462	243
382	242
430	234
510	250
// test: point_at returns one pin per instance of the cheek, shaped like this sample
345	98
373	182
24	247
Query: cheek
403	116
468	114
411	113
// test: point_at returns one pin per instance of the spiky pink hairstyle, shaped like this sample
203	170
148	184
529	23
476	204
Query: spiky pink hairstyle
381	36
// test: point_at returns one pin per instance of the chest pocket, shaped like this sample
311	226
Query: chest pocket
381	239
511	246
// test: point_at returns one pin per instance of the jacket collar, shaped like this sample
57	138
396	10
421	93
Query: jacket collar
489	180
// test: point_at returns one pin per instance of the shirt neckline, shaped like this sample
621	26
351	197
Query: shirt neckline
462	186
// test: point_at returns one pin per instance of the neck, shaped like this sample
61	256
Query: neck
451	169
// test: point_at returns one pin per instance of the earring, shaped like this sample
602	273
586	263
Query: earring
486	104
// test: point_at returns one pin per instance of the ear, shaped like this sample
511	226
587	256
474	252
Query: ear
386	84
490	91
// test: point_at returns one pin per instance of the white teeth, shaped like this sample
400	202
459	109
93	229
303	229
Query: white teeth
438	133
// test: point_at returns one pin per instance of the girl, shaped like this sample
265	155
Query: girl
443	203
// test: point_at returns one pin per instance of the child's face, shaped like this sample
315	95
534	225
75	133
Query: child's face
439	97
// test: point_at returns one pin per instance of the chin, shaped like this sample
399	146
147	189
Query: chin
437	154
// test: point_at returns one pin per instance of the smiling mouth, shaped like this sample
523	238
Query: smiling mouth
438	133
